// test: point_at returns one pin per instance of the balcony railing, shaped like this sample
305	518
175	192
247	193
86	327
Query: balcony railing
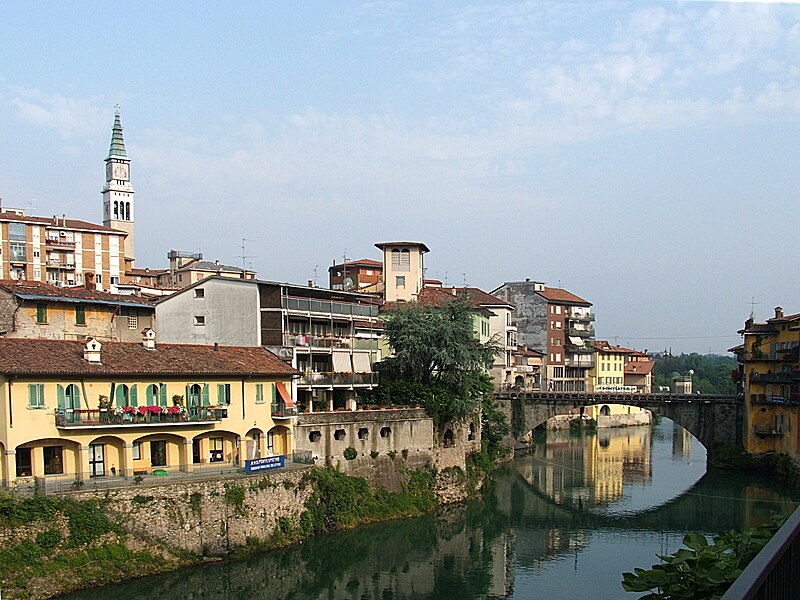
587	332
774	399
143	415
59	243
583	361
57	264
302	340
332	379
281	411
575	349
329	307
766	430
785	378
576	316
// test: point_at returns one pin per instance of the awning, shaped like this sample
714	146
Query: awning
575	340
341	362
284	394
361	362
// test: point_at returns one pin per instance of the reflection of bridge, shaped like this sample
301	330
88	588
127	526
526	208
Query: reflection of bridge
712	419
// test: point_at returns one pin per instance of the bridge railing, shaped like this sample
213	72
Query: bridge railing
771	574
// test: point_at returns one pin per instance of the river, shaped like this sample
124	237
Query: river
561	522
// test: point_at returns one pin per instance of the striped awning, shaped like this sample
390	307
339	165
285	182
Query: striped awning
284	394
341	362
361	363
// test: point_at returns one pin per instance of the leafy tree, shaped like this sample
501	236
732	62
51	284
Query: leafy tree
712	372
437	356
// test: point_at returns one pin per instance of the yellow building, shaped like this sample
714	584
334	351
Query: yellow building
76	410
770	374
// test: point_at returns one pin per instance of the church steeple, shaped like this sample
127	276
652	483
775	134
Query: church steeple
117	149
118	195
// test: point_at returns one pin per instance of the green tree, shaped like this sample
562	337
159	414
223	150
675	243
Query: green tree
435	353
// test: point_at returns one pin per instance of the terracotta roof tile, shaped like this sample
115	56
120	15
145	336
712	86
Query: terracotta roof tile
562	296
38	289
367	262
58	222
641	367
19	356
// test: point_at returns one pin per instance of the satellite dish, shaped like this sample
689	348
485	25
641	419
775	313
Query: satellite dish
348	284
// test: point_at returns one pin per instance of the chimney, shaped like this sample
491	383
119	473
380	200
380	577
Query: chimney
216	346
91	351
778	312
88	281
149	339
310	283
453	291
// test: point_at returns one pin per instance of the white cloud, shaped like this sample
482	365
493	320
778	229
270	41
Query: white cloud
69	117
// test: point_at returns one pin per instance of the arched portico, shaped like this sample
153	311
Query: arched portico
254	444
106	457
158	451
216	448
279	441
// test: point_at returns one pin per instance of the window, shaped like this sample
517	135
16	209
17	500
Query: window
385	432
133	319
259	393
80	314
199	293
41	312
158	453
35	395
224	393
199	320
558	310
24	462
53	460
114	280
401	259
136	450
98	278
339	434
216	452
400	281
314	436
363	433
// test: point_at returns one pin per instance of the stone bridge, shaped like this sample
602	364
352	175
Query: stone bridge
712	419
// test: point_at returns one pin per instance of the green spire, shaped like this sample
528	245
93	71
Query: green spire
117	149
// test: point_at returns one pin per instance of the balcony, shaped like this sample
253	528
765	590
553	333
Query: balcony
575	349
337	379
58	243
584	333
784	378
54	263
774	399
302	340
142	416
767	431
281	411
328	307
581	317
582	361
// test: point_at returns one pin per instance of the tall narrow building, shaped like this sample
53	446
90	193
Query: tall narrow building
118	202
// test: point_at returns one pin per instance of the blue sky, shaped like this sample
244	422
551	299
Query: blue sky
644	155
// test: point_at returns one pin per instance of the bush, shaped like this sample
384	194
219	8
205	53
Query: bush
350	453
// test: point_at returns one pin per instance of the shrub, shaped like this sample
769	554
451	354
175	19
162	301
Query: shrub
350	453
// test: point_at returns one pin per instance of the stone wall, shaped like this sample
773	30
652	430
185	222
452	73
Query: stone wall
384	440
211	516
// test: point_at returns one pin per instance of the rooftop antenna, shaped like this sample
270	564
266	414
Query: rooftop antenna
445	279
244	256
316	272
753	307
464	276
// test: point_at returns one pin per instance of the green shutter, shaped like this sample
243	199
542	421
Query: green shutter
259	393
121	400
151	397
62	397
111	396
76	398
206	401
32	395
162	388
220	393
274	393
188	398
133	395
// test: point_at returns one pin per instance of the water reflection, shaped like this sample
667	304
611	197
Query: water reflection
563	522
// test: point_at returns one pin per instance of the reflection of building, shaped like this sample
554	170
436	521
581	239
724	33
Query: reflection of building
619	369
559	324
86	409
618	415
681	443
770	374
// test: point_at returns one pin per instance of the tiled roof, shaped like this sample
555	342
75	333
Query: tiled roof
562	296
368	262
59	222
525	351
784	319
604	346
36	290
19	356
478	296
641	367
207	265
422	246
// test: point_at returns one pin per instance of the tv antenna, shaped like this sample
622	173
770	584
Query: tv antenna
246	256
753	304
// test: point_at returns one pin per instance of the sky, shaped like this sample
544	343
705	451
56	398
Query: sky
643	155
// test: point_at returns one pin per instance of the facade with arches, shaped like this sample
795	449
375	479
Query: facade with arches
80	410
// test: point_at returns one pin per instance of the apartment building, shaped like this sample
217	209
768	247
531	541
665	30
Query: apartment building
769	372
356	275
558	323
78	410
332	338
31	309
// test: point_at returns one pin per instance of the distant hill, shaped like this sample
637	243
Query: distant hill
712	372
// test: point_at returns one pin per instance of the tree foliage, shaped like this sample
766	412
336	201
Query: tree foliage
701	570
436	356
712	372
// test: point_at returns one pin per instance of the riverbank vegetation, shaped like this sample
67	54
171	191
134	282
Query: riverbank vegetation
701	570
711	373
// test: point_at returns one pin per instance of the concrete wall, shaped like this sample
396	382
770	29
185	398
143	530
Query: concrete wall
230	309
530	312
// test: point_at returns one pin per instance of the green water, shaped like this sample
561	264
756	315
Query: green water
562	522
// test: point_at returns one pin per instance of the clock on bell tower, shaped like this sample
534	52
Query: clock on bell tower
118	195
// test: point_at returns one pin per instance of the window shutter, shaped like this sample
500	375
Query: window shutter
31	394
220	393
121	396
259	393
274	393
76	397
162	387
133	395
151	397
206	401
62	398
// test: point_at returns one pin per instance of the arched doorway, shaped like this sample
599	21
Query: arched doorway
278	441
253	444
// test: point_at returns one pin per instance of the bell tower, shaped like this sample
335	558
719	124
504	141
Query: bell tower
118	204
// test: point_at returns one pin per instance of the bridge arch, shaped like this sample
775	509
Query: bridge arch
713	420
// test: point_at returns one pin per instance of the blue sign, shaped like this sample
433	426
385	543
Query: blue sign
263	464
